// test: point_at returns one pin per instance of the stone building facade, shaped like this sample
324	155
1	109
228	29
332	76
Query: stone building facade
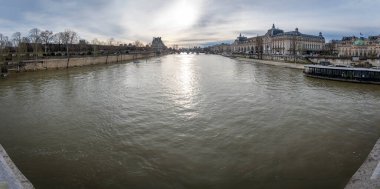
220	48
359	47
158	45
278	42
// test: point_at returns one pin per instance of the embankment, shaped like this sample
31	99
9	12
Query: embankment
368	175
275	63
10	176
49	64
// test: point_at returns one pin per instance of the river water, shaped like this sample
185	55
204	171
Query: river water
186	121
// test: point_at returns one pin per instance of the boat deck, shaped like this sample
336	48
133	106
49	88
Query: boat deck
349	74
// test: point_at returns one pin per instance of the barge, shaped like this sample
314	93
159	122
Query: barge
342	73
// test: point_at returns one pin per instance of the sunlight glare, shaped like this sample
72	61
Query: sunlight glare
180	15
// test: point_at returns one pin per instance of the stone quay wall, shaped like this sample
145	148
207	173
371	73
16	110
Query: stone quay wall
48	64
374	62
345	61
275	58
10	175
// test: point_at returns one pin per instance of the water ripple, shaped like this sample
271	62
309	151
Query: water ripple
186	121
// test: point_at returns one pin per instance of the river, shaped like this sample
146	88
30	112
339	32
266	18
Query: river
186	121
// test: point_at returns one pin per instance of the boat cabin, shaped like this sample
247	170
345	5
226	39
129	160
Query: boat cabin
365	75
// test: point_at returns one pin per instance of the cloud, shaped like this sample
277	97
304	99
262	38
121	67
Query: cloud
188	22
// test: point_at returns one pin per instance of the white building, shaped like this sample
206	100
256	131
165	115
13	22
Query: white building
278	42
359	47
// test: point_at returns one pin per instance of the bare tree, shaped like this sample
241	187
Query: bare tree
259	47
35	38
23	46
294	49
2	46
332	47
46	38
5	45
83	46
25	40
16	39
68	38
138	44
119	43
95	42
5	41
111	41
57	39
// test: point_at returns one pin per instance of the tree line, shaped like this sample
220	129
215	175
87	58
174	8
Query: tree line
44	43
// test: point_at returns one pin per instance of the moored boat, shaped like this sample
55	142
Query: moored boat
342	73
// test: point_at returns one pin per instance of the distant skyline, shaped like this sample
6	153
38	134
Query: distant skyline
190	22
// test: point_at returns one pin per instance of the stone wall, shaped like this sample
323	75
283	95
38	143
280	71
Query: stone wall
346	62
277	58
46	64
10	175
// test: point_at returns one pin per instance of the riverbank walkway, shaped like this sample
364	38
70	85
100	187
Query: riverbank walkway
275	63
368	175
10	176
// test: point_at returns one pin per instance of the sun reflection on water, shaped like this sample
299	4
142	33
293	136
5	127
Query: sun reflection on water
187	85
186	75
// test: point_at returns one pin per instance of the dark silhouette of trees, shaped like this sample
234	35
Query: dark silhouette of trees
294	47
46	38
138	44
259	47
16	39
45	44
5	46
35	39
68	37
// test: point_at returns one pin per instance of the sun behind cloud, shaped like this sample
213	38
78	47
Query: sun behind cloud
189	22
179	15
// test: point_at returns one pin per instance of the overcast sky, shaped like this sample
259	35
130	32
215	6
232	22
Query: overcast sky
190	22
